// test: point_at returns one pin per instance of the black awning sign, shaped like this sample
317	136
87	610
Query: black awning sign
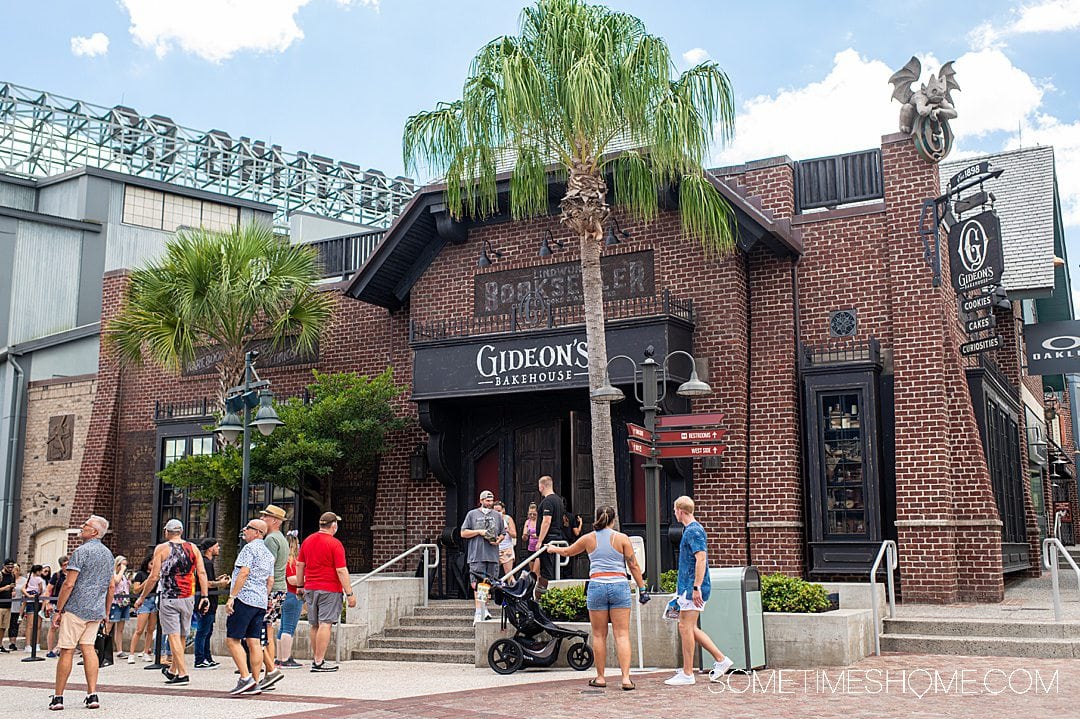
975	255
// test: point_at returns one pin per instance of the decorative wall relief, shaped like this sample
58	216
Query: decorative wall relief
61	437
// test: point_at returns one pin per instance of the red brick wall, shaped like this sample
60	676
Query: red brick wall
870	260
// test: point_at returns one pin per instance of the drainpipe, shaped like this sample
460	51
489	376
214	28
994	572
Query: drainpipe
8	498
749	368
799	421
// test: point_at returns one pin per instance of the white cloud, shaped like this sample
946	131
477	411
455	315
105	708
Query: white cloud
96	44
215	30
848	110
695	56
851	108
1047	16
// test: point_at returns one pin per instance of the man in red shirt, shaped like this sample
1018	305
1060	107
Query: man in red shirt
321	572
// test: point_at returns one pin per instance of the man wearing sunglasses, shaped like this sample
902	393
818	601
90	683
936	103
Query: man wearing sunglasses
252	581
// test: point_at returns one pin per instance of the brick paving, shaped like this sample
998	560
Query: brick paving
896	685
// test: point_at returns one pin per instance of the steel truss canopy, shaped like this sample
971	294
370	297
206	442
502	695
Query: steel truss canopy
42	134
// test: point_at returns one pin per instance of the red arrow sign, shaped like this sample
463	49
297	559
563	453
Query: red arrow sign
638	432
689	420
691	435
703	450
639	448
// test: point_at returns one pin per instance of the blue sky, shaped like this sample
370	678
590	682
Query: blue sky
339	77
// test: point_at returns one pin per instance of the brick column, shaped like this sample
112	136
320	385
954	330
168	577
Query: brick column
94	491
947	528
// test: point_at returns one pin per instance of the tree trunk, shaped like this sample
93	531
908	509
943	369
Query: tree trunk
230	374
584	210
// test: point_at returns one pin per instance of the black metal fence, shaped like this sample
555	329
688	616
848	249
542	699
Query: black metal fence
340	257
838	179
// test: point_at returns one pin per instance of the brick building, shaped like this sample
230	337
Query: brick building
852	415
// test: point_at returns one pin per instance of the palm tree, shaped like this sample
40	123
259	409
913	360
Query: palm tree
220	291
569	95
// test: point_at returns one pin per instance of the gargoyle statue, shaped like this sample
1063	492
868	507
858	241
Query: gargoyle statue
926	112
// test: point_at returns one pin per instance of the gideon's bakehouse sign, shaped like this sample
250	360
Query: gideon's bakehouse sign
626	276
529	361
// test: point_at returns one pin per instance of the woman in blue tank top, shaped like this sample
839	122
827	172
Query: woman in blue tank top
611	556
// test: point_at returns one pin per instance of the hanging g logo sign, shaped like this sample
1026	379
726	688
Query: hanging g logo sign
973	244
975	255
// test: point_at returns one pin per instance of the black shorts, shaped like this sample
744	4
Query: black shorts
547	565
482	570
246	621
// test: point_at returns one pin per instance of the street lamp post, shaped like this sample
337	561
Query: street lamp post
244	398
653	377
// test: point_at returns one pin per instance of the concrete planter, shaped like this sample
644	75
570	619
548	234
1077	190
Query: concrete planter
660	638
836	638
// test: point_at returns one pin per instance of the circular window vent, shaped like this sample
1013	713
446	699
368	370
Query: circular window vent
843	323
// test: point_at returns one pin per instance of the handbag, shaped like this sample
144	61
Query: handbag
103	646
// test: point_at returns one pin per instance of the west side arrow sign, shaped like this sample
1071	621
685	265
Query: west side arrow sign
691	435
689	420
703	450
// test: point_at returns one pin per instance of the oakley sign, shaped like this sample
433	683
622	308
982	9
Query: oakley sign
1053	347
975	255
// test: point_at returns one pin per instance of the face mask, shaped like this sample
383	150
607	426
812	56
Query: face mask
486	510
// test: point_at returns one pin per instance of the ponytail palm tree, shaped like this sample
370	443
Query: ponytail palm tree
219	291
586	93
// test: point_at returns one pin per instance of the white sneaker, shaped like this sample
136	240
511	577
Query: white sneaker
719	669
680	679
477	618
131	658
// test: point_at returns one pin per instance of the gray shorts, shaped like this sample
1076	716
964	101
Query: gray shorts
480	570
323	607
175	615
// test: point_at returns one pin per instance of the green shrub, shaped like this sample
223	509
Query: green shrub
669	581
781	593
565	604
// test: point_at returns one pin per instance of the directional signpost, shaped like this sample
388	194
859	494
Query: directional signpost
695	437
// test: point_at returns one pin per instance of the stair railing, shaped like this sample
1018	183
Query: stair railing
562	561
1058	516
428	566
888	553
1051	547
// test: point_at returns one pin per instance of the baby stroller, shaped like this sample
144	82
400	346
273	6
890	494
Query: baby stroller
526	648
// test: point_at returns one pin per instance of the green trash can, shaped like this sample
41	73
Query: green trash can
733	617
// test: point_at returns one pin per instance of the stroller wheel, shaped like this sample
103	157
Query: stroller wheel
580	656
506	656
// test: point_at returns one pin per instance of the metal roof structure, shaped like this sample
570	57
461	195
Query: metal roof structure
42	134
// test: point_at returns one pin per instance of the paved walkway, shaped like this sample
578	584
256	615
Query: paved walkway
898	685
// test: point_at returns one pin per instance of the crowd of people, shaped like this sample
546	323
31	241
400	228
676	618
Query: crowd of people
175	593
490	536
276	577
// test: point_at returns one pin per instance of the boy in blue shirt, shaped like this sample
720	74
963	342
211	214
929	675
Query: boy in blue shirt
691	594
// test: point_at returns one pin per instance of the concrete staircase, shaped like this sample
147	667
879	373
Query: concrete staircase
982	637
439	632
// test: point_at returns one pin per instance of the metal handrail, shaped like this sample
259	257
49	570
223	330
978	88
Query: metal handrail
562	562
888	552
427	567
1058	516
1051	547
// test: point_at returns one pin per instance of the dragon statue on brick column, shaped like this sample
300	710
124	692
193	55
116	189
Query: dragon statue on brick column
926	112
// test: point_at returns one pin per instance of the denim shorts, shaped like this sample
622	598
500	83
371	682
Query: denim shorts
290	614
119	614
608	595
149	605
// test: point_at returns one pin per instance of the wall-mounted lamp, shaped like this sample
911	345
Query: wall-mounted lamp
485	258
547	242
611	239
1050	403
1001	298
418	464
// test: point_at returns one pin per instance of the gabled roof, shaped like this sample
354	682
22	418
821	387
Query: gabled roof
1025	203
424	227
